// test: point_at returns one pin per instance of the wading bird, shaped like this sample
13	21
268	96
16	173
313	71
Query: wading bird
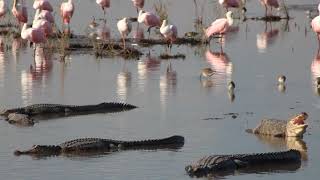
104	4
271	3
20	12
170	32
124	27
66	10
42	5
149	19
138	4
220	26
315	24
2	8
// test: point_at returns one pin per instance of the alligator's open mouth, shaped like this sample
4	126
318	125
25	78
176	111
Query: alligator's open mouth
300	119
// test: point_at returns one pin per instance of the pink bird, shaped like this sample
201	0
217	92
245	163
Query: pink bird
43	24
124	27
233	4
315	24
2	8
271	3
220	26
42	5
169	31
35	35
149	19
44	14
138	4
66	11
104	4
20	13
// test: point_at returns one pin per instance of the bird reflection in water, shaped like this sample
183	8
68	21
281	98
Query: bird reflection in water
168	83
286	143
266	38
147	67
282	83
2	61
315	72
223	67
138	33
123	83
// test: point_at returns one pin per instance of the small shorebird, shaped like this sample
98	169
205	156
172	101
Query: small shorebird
206	72
282	79
231	86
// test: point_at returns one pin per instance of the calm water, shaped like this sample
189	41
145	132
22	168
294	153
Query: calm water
168	103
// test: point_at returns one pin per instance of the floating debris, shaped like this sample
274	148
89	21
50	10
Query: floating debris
175	56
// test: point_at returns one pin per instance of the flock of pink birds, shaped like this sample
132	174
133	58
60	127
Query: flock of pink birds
43	20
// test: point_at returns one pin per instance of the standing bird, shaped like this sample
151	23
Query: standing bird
42	5
206	72
220	26
34	35
124	27
281	79
138	4
44	14
271	3
3	9
149	19
170	32
66	11
234	4
315	24
104	4
20	13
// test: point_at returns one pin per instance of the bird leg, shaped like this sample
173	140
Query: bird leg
266	12
149	31
124	42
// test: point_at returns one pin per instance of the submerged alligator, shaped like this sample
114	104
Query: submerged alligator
227	164
86	146
295	127
25	115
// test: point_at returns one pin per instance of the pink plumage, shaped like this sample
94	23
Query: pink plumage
42	5
35	35
47	15
149	19
2	8
138	3
230	3
315	24
219	26
45	25
67	9
103	3
271	3
20	13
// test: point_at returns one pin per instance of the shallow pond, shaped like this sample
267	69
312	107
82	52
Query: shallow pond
169	103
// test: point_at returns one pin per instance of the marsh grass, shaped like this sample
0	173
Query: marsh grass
161	10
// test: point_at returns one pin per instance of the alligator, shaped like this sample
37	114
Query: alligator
87	146
228	164
295	127
25	115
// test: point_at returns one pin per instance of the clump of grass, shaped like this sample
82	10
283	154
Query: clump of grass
175	56
161	9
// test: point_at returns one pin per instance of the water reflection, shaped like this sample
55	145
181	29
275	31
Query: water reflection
315	72
2	61
138	33
146	67
123	84
168	84
221	63
266	38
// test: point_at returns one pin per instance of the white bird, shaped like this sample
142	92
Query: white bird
124	27
169	31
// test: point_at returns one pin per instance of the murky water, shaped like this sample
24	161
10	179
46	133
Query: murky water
169	103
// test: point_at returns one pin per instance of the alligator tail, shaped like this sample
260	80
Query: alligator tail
169	142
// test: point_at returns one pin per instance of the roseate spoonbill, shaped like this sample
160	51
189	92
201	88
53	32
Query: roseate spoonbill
281	79
169	31
104	5
124	27
206	72
34	35
66	12
42	5
149	19
20	13
44	14
43	24
138	4
271	3
220	26
315	24
233	4
2	8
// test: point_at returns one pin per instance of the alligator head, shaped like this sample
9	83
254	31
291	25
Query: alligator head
208	165
296	127
40	150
